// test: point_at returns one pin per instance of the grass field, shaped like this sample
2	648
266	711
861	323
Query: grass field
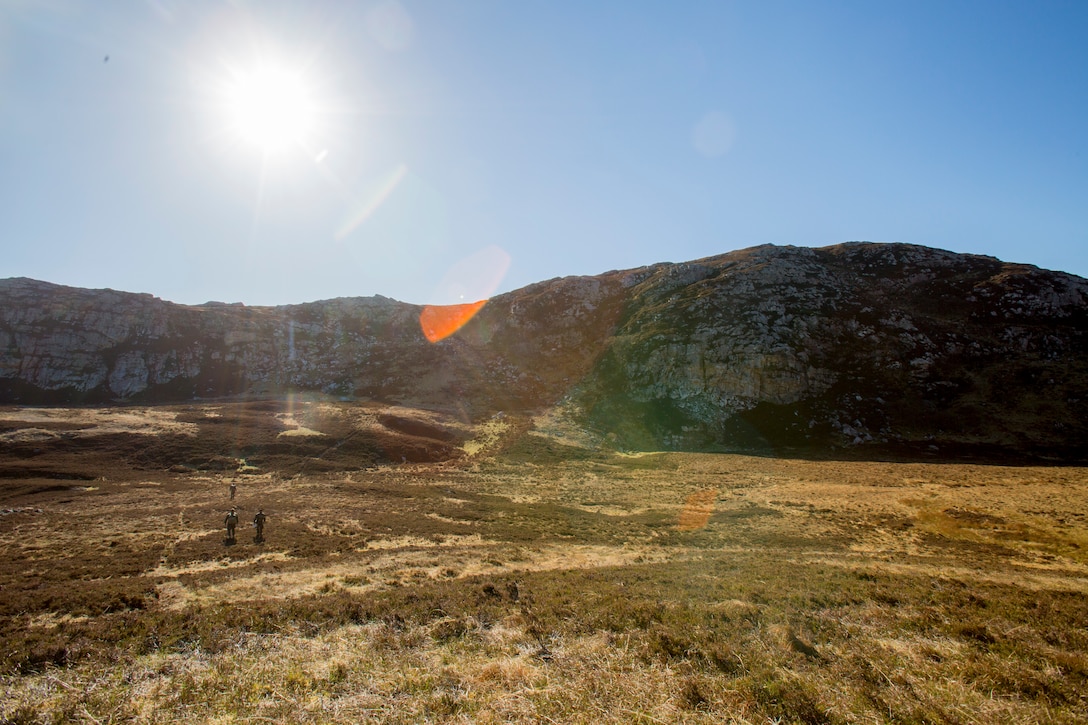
497	575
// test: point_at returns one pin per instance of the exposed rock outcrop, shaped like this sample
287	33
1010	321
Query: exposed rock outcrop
857	345
861	347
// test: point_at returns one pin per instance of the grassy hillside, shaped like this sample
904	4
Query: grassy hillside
525	578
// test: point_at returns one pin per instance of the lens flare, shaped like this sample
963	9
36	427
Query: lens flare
440	321
714	134
475	277
375	202
697	510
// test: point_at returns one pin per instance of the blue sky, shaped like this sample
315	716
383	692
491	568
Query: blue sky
456	149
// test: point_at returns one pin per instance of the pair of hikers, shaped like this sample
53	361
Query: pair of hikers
232	523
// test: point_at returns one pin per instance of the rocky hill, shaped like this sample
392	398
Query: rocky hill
859	349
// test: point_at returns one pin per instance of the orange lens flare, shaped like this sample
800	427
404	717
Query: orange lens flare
440	321
697	510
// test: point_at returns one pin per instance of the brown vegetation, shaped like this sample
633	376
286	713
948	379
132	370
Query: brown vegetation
504	575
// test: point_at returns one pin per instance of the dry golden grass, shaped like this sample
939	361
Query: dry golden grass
548	583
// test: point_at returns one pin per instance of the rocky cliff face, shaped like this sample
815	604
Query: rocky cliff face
524	350
856	347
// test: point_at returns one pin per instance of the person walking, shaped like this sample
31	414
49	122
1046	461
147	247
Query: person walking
258	523
233	489
231	521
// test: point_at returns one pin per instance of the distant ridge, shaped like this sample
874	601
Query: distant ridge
852	349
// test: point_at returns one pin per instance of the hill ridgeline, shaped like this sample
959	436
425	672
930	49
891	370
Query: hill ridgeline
856	348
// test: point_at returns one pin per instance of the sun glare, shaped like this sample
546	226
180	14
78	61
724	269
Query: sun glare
271	107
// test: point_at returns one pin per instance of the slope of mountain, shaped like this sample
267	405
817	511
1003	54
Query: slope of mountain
856	345
860	348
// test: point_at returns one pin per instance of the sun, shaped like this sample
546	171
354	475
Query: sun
271	107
